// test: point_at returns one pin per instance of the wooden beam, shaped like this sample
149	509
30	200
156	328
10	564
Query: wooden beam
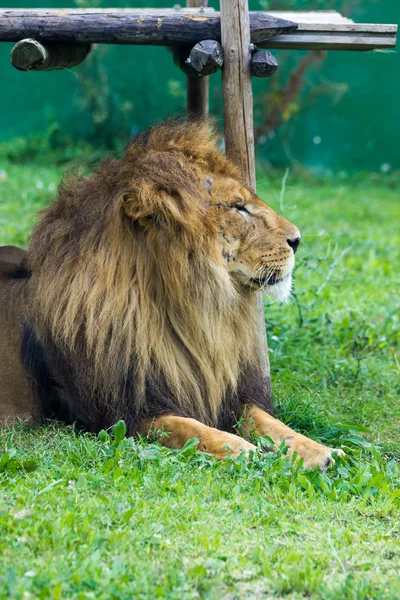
238	118
335	36
352	43
325	30
311	16
127	26
197	90
31	55
329	30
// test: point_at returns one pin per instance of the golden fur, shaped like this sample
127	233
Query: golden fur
152	262
136	300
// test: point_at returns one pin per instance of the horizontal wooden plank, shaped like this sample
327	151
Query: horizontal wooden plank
329	30
27	12
349	27
314	16
128	26
305	40
170	27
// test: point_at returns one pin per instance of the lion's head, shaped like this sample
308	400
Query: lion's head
257	244
185	184
154	260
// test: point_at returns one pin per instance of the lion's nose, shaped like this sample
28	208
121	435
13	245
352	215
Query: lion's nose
294	243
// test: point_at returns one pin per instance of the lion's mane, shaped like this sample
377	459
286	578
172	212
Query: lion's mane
129	297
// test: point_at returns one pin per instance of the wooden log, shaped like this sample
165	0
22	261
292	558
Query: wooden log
197	90
238	118
318	30
205	58
263	64
31	55
127	26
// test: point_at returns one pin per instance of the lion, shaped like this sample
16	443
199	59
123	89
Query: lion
136	300
12	255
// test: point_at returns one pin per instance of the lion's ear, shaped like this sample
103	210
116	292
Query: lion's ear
136	211
158	203
131	206
174	199
149	201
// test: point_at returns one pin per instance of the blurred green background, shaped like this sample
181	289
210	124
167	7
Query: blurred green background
342	116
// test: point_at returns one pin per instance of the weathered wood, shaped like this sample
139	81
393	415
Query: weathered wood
237	87
127	26
205	58
329	42
238	117
197	97
31	55
197	90
336	36
318	29
312	16
197	4
365	28
263	64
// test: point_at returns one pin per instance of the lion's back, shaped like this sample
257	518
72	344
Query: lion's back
16	399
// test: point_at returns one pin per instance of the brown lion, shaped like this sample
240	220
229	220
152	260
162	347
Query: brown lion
136	300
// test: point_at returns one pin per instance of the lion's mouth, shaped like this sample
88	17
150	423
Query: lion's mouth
261	281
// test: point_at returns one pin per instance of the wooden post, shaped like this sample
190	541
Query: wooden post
197	89
237	86
238	115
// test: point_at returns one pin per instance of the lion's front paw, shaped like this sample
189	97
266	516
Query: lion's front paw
234	446
313	453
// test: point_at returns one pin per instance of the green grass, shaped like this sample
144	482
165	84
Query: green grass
107	517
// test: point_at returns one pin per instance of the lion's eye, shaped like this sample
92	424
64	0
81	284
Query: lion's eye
242	209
